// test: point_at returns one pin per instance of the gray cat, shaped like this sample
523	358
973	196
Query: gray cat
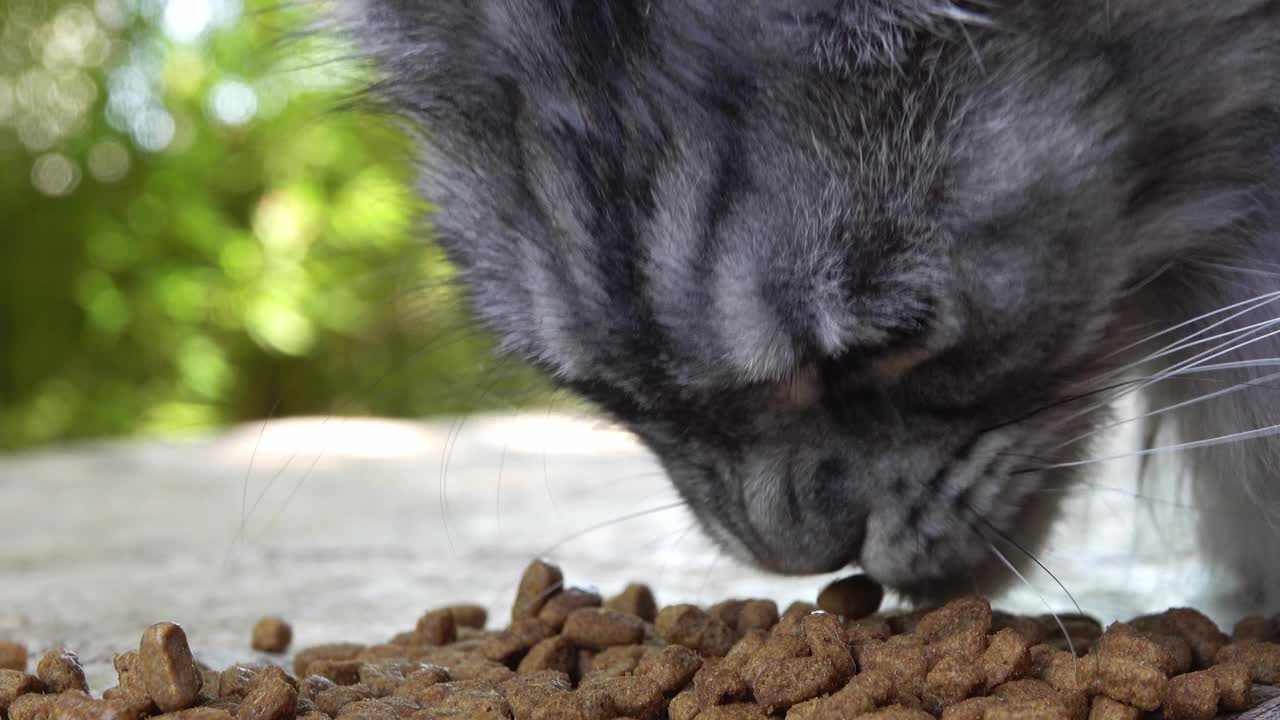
867	274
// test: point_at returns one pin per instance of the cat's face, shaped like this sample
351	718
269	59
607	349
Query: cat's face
849	269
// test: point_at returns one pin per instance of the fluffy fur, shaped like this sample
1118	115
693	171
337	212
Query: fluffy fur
861	271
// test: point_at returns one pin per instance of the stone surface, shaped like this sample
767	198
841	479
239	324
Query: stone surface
350	529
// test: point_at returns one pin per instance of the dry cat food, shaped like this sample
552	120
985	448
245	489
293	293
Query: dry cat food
570	654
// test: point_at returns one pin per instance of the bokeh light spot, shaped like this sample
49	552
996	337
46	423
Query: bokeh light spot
55	174
109	161
187	20
154	130
233	102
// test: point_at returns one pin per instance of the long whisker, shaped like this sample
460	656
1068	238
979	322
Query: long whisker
1255	434
1166	409
1259	301
1005	560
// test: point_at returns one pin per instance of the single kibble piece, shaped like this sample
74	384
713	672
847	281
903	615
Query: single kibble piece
1261	658
671	666
271	634
60	671
469	616
13	656
170	673
757	615
1193	696
539	582
332	651
15	683
1131	682
636	599
1104	708
692	627
554	653
273	699
825	636
437	627
783	683
952	680
856	596
1007	658
1234	685
558	607
599	628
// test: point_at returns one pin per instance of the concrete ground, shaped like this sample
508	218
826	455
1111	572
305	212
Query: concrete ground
352	528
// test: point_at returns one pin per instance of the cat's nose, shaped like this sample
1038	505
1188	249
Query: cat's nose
807	525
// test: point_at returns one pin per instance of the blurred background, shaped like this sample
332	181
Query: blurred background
200	225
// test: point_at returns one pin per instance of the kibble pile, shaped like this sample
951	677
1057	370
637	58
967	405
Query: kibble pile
569	654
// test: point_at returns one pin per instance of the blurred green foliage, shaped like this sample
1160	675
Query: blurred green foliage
193	233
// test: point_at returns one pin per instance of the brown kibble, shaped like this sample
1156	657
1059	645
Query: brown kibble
1041	709
684	706
1065	671
615	661
953	679
332	651
269	700
1193	696
540	581
966	614
1234	685
469	616
1104	708
14	684
902	657
727	611
854	597
368	710
688	625
757	615
382	678
736	711
232	683
60	671
271	634
1121	640
865	692
436	627
1261	658
172	679
1131	682
1006	658
825	636
342	672
638	697
475	700
13	656
312	685
715	683
417	681
1199	631
77	705
779	684
636	599
508	646
554	653
1030	628
858	632
971	709
32	706
332	701
199	713
559	606
671	666
900	712
599	628
1254	627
